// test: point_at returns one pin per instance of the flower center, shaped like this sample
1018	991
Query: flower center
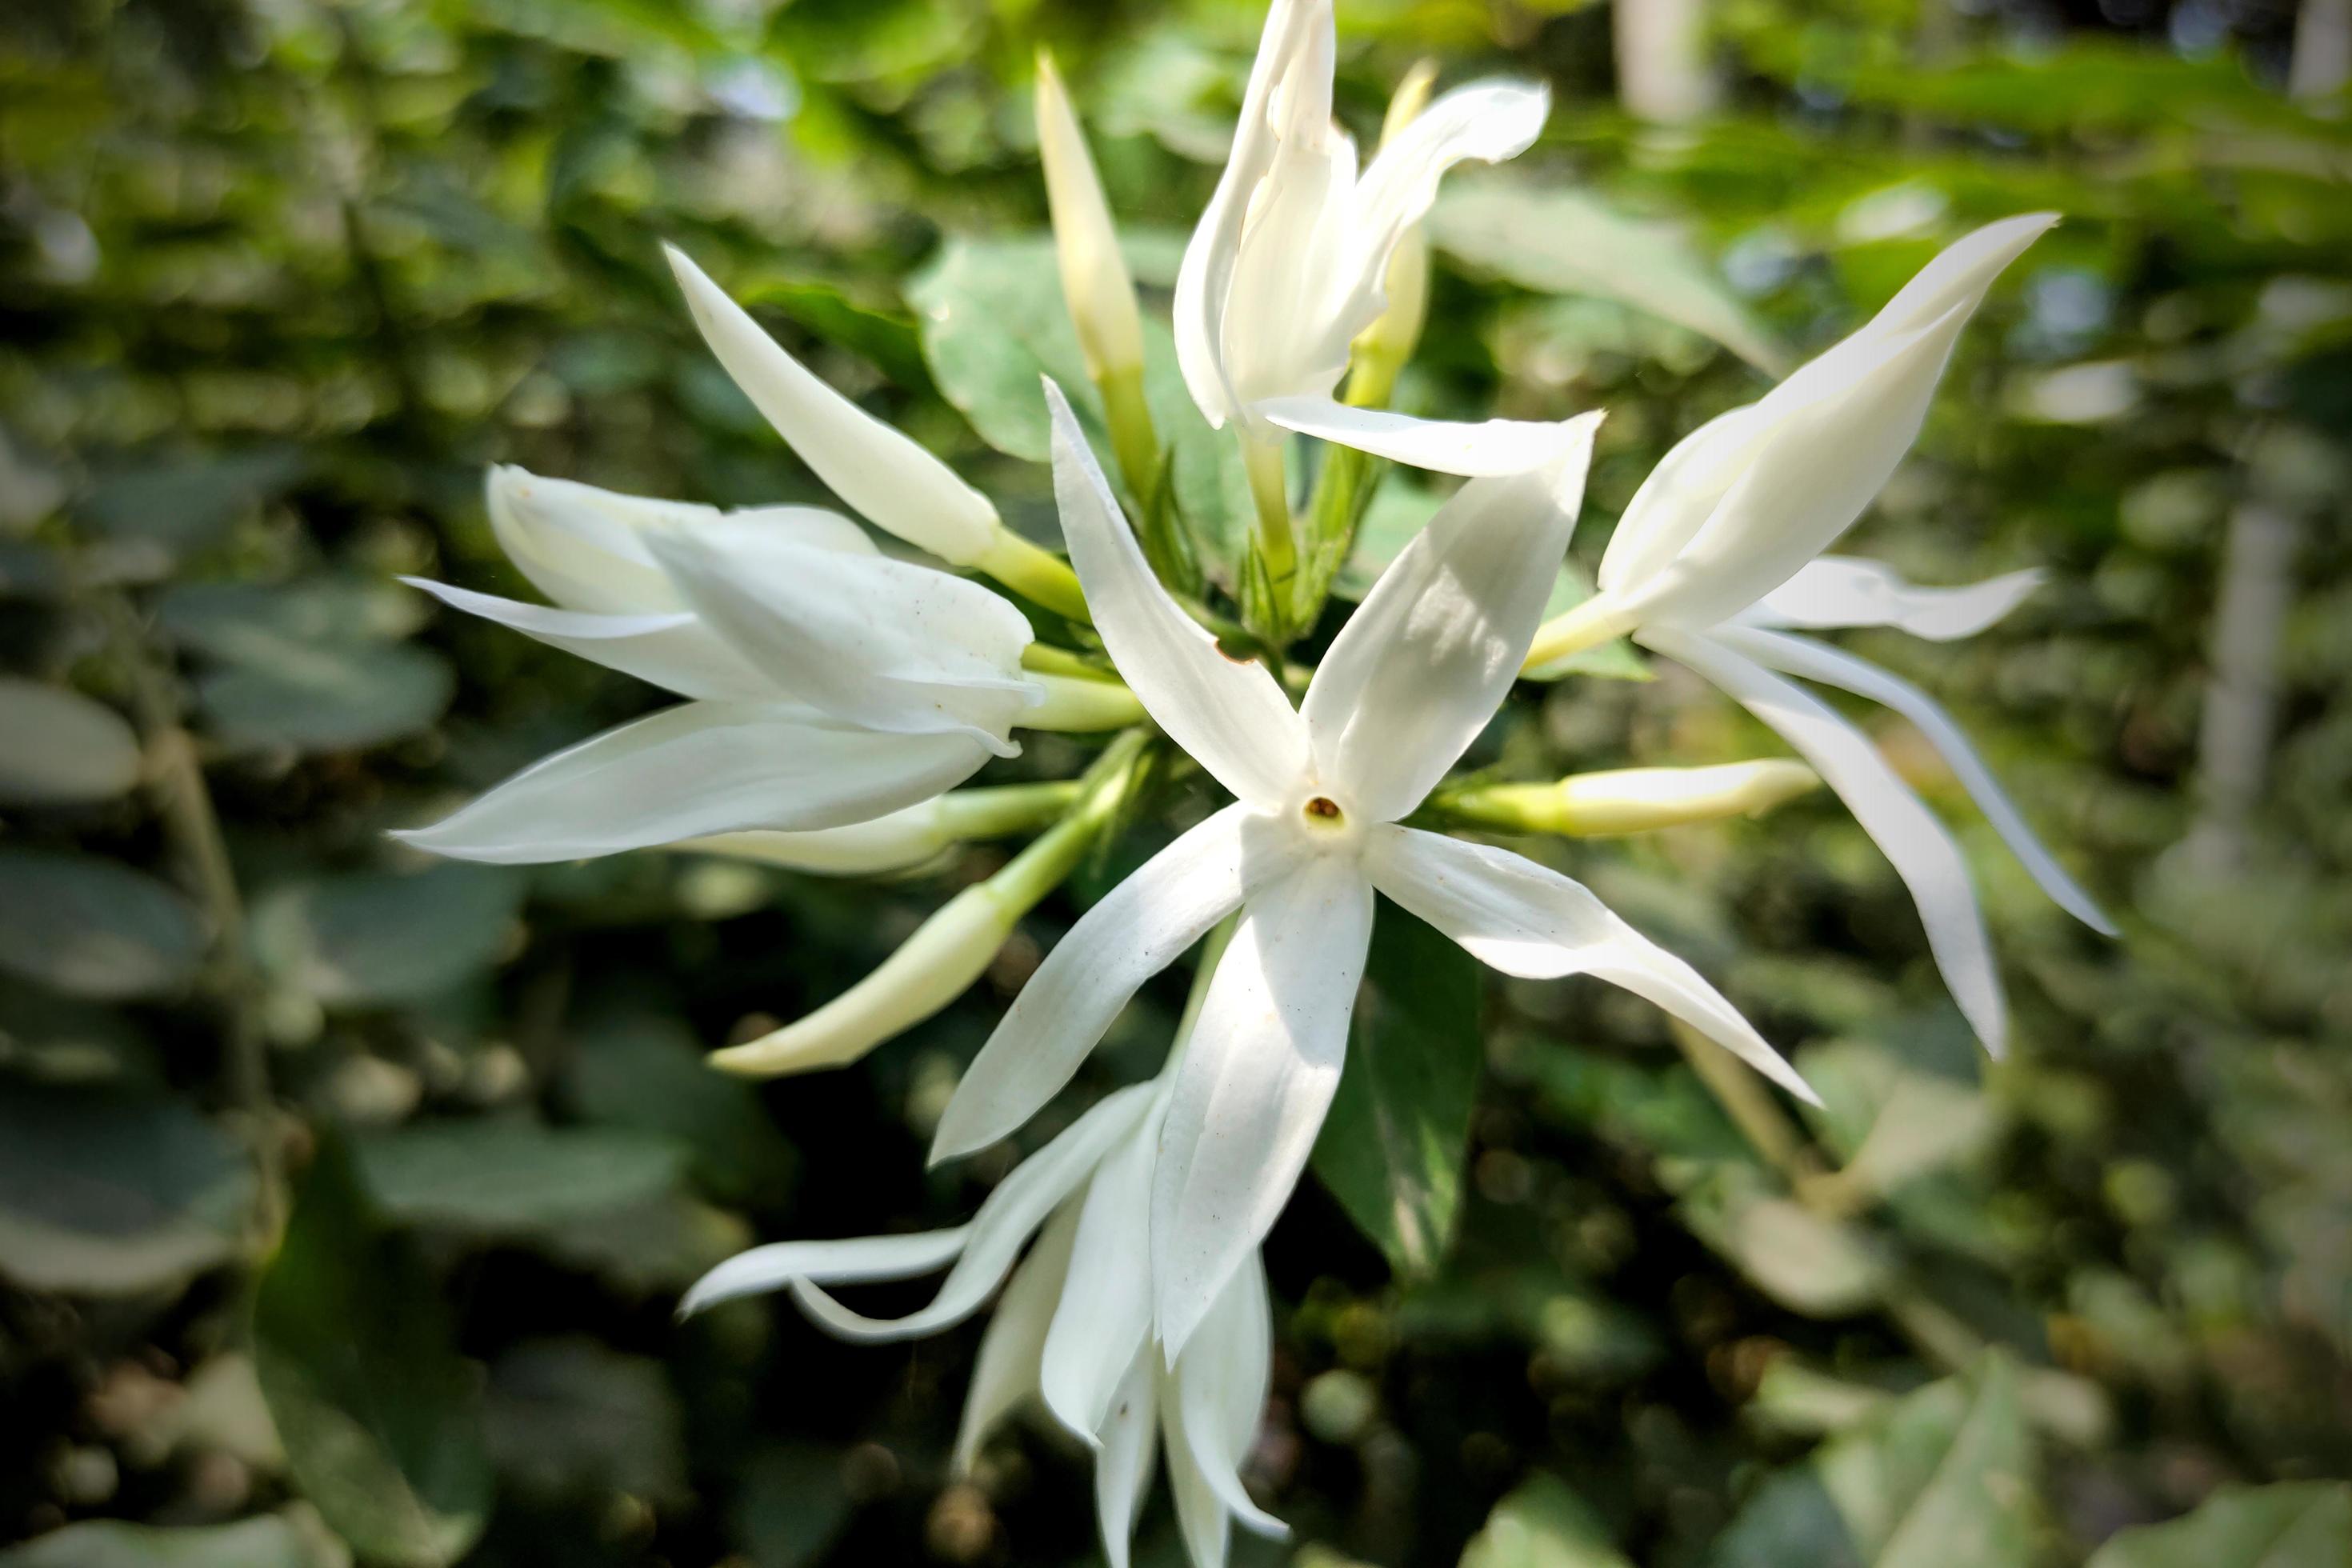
1325	808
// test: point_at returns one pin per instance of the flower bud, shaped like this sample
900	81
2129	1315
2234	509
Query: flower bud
1632	800
935	967
1095	278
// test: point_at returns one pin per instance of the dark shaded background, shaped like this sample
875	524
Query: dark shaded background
278	281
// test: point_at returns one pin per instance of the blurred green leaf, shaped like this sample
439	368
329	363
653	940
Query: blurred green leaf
2289	1525
1806	1261
365	940
93	928
1943	1477
512	1178
1543	1523
102	1195
1392	1148
177	506
648	1073
571	1419
327	698
264	1543
792	1505
1561	241
270	624
380	1418
63	747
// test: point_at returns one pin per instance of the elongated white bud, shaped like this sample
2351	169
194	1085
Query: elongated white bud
890	481
1095	278
934	966
902	839
1632	800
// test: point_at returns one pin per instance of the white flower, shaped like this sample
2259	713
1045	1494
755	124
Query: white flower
1290	259
1074	1325
1407	685
827	683
1719	557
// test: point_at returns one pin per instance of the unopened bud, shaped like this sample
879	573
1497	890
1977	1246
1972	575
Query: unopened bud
1381	349
902	839
934	966
1632	800
1095	278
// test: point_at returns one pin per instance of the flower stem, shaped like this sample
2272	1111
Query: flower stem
1269	482
1082	703
1037	574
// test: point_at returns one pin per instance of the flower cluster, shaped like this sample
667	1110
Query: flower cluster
835	696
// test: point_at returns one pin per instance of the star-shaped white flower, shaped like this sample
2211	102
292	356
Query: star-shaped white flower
1074	1325
1406	686
1717	562
1290	259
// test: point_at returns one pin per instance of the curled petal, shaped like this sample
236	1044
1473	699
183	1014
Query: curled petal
1921	851
855	1262
1220	1387
1810	660
1104	1318
1128	1437
1844	591
1005	1373
1529	920
674	650
1487	449
1011	1215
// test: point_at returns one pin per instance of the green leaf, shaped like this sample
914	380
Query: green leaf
1806	1261
2284	1526
1392	1146
106	1196
62	748
176	506
647	1074
1558	241
510	1178
325	698
571	1419
363	940
91	928
267	1542
381	1418
1944	1475
265	625
1542	1523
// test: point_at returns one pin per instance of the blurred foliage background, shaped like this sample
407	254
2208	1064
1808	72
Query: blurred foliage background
278	278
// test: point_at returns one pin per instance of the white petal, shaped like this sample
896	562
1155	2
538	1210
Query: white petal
1230	715
1201	1517
585	548
1676	500
1104	1318
1297	50
1011	1215
1907	833
1811	474
1128	1437
1961	272
1845	591
1810	660
855	1262
1221	1387
1005	1375
1492	448
1255	1080
1284	331
883	476
1140	928
1487	120
673	650
1529	920
1425	661
698	768
582	547
887	644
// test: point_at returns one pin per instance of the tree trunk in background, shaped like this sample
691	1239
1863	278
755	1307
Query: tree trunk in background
2322	49
2240	720
1663	72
